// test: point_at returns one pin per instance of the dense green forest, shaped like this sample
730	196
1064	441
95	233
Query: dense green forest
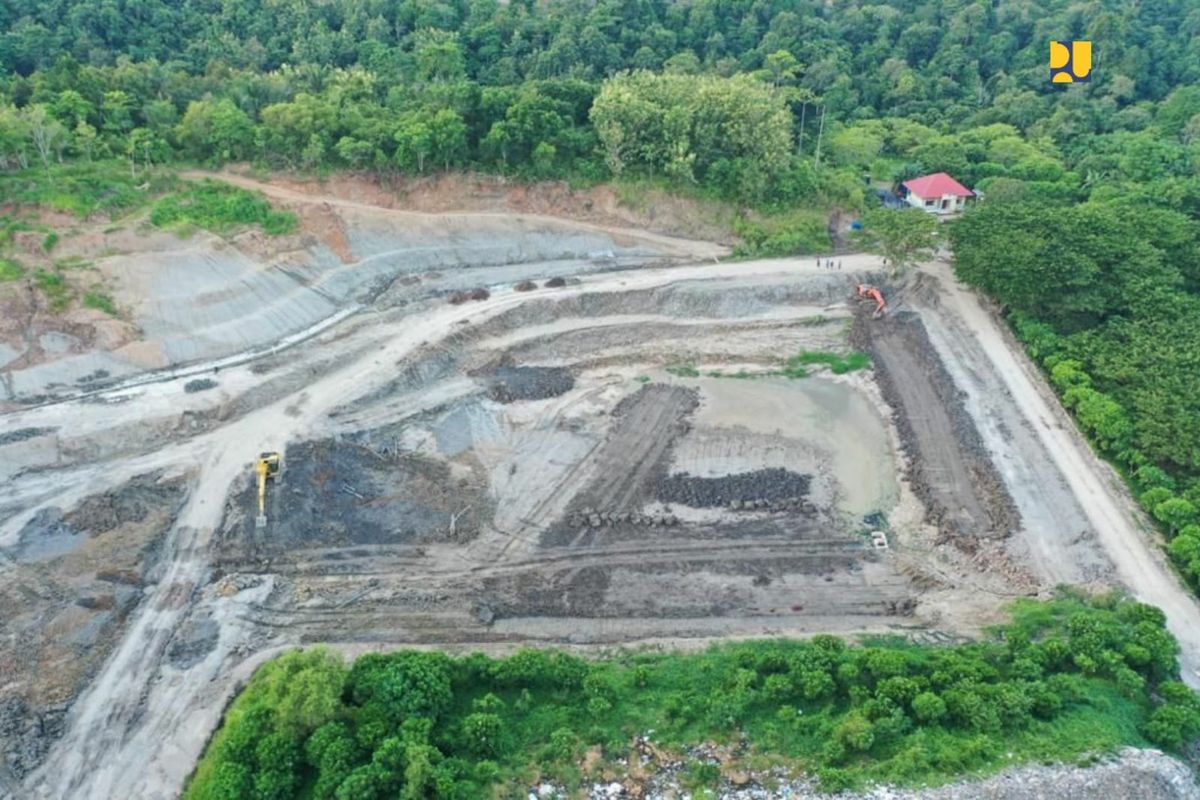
748	99
1072	677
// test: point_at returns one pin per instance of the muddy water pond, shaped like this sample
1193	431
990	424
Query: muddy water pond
811	425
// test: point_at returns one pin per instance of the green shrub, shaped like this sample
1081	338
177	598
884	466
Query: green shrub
10	270
55	287
684	371
795	233
100	302
220	208
838	364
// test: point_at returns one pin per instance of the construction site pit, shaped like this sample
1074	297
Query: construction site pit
620	452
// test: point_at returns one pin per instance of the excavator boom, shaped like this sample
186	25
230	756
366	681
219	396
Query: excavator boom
869	292
267	467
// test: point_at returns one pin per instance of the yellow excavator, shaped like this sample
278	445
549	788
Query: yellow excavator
267	468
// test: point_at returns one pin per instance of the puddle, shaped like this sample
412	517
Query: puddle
46	536
832	428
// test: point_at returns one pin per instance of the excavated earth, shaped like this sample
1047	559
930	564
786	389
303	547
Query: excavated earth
614	461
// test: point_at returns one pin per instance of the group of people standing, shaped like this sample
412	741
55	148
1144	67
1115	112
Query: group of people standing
828	263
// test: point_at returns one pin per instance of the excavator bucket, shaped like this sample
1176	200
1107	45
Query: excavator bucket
260	521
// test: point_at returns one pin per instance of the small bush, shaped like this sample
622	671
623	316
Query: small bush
10	270
49	242
684	371
55	287
100	302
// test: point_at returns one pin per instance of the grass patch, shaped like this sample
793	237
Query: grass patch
793	370
55	287
83	188
684	370
220	208
838	364
49	242
1063	681
10	270
642	379
100	302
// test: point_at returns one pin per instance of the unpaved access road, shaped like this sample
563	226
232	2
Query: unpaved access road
1121	531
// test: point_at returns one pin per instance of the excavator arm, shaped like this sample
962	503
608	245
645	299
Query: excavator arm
267	467
869	292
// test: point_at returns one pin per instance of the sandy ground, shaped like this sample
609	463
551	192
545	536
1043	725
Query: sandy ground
564	536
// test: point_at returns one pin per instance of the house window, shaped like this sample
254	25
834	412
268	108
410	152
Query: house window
929	204
945	204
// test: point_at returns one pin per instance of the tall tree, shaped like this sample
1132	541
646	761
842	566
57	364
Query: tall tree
902	236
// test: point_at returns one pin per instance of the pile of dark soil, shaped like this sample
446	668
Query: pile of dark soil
775	485
509	384
336	493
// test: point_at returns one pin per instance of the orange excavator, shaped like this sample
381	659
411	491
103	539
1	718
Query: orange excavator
866	291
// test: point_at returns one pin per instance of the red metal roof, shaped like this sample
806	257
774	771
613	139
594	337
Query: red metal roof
936	185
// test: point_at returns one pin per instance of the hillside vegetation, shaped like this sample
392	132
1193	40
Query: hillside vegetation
1062	680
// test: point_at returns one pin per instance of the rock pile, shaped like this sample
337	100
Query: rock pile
774	486
591	518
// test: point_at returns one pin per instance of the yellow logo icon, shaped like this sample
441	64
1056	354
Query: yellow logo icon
1070	62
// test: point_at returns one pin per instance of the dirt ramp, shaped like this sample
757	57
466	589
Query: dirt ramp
67	589
949	465
633	458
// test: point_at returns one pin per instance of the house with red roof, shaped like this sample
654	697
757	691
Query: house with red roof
937	193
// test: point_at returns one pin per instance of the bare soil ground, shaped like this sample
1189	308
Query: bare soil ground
524	469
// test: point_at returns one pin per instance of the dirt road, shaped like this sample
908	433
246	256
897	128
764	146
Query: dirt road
1120	530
